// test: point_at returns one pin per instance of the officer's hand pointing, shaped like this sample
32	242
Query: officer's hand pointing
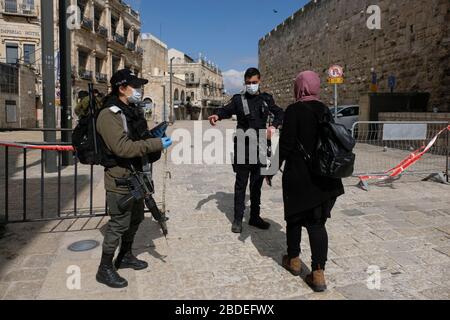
166	142
213	120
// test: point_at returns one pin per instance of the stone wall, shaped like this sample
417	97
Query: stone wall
413	44
413	116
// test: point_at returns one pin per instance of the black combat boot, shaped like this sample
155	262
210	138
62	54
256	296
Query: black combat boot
237	226
259	223
126	259
108	275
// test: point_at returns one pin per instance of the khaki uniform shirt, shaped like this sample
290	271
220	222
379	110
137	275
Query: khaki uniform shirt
111	125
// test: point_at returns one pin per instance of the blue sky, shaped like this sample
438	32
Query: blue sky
226	32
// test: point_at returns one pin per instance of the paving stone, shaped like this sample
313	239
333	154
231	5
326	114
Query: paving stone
26	275
361	292
39	261
353	213
23	290
444	250
405	258
437	293
445	229
3	288
328	295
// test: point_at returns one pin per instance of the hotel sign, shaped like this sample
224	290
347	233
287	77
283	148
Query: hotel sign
19	33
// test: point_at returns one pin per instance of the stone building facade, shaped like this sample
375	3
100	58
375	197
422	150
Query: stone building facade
20	43
155	68
204	80
108	40
413	45
20	32
17	96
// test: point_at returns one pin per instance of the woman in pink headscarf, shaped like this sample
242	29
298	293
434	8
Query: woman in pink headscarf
308	199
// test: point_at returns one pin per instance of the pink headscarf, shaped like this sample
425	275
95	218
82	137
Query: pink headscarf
307	86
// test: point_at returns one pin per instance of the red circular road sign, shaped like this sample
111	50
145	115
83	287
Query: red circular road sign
336	72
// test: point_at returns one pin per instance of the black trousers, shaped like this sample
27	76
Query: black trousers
315	223
243	174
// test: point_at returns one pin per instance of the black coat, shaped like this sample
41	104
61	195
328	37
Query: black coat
303	191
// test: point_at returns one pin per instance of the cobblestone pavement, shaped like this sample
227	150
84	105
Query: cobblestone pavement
403	229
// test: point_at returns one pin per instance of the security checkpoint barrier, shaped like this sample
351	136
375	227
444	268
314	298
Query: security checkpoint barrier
29	194
386	151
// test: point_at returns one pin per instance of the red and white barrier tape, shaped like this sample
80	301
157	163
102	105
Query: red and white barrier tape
36	147
406	163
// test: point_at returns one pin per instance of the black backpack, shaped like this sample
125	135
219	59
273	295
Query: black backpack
333	156
88	144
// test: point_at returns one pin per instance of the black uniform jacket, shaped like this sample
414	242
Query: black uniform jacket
261	106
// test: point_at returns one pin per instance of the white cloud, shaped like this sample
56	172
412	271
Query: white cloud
233	81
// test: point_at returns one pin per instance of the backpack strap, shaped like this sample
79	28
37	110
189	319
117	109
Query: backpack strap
245	105
117	110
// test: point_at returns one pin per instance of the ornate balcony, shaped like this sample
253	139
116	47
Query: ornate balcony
18	8
101	31
101	77
131	46
85	74
87	24
119	39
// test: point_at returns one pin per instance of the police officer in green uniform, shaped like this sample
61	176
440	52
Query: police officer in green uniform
122	126
252	109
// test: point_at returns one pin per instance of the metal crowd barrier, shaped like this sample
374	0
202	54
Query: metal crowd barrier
25	189
382	146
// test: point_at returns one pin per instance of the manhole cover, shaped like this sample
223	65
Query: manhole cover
84	245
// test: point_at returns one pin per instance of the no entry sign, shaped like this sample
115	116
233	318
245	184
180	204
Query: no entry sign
336	72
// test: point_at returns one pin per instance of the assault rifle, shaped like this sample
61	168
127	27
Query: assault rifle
141	188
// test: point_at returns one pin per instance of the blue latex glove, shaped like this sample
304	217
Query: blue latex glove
166	142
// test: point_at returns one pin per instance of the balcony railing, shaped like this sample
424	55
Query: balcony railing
119	39
101	77
101	31
131	46
134	13
87	24
85	74
19	8
190	81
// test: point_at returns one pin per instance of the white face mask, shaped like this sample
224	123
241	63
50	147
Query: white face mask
136	96
252	89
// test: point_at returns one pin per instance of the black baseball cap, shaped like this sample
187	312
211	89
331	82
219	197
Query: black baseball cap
126	77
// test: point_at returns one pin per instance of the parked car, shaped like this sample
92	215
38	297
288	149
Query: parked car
347	115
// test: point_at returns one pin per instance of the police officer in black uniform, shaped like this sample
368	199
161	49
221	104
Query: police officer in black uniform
252	109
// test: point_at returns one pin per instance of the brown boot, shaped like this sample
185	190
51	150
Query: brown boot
294	266
316	280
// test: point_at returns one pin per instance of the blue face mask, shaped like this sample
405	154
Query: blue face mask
136	96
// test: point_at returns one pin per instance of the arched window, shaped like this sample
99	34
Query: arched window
192	77
186	76
176	95
183	98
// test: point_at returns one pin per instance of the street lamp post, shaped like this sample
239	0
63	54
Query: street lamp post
48	81
164	104
65	78
171	91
